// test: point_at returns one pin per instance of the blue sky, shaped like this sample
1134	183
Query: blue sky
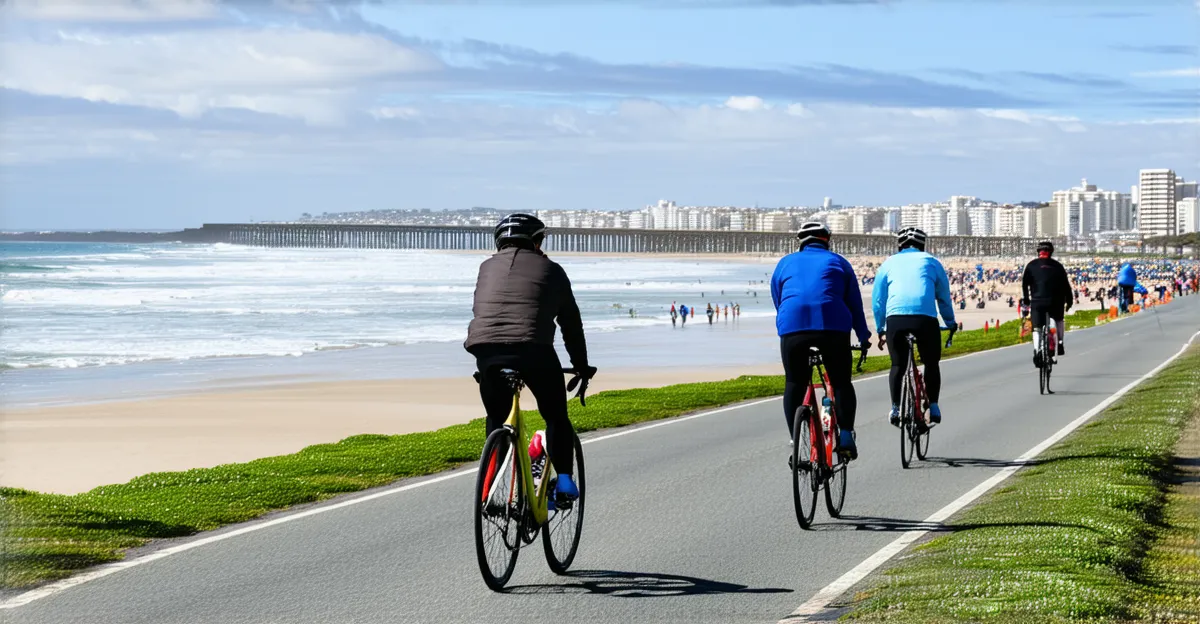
168	113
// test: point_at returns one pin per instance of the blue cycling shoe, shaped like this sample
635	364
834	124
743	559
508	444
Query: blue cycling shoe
846	444
935	414
565	491
894	416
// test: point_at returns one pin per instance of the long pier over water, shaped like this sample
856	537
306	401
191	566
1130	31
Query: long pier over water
579	239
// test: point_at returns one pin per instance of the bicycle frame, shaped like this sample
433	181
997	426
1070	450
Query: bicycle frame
814	411
918	381
516	423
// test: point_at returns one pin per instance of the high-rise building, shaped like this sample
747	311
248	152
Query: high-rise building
1156	205
958	222
983	220
1086	209
1017	221
891	220
1185	190
1187	215
1046	221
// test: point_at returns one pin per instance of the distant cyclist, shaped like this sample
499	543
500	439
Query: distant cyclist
1047	288
911	287
1127	282
817	303
518	296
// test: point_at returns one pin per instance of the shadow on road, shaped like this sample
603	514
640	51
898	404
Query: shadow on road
979	462
639	585
898	525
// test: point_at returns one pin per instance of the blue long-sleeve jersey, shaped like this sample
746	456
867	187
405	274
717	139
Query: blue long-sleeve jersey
1127	275
911	282
816	289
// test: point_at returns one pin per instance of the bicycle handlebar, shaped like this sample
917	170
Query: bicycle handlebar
580	380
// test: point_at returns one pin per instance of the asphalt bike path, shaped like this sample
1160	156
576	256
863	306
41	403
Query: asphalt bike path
687	521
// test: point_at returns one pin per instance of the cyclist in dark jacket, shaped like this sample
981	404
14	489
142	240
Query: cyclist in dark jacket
1047	289
519	295
817	304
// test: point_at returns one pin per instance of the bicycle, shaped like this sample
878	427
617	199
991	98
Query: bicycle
1046	346
914	405
515	505
815	431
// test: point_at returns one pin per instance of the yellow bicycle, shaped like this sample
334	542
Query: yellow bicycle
512	506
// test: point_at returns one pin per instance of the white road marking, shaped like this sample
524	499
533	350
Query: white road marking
112	568
831	592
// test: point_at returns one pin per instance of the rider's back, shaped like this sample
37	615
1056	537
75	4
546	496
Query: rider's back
1045	281
908	283
518	295
811	289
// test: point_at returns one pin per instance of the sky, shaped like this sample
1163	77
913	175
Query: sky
171	113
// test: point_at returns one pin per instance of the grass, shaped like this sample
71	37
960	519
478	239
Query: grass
49	536
1067	539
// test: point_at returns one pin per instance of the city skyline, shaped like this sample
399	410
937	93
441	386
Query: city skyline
167	113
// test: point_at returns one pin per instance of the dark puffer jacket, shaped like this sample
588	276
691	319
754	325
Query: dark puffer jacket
518	296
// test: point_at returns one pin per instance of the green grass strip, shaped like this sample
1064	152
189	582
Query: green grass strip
1066	539
1172	568
49	536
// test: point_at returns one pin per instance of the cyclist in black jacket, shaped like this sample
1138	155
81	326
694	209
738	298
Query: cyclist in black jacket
519	295
1047	292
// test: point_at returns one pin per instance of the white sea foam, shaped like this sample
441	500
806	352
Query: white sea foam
94	305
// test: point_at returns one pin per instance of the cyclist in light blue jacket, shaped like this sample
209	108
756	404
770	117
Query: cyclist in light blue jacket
911	287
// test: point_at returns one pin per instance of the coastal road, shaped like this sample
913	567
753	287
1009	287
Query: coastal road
690	521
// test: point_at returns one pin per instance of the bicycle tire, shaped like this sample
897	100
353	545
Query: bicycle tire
559	564
1049	367
923	443
835	486
1043	378
908	410
805	477
491	466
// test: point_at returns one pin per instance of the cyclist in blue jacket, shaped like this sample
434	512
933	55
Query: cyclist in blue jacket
911	287
817	303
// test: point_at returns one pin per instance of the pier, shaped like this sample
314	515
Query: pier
587	240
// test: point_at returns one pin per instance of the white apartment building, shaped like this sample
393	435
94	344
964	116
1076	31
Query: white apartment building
777	221
1156	205
983	220
891	220
838	222
934	220
1046	222
958	222
1187	215
1086	209
1186	190
1016	221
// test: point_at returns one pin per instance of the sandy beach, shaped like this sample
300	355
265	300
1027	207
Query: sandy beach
76	448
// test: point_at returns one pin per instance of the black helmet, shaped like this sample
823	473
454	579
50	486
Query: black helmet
911	237
519	227
812	232
1046	246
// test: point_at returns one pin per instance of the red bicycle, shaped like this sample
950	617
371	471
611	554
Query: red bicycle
816	461
914	406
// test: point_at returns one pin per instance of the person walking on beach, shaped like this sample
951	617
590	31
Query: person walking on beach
818	302
674	314
683	313
519	295
709	311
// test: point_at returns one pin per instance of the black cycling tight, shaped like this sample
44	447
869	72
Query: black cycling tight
929	345
835	353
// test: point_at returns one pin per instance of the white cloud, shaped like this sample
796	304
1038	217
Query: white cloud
109	10
395	112
296	73
746	103
1188	72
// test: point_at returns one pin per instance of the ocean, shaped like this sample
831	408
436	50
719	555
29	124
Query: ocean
133	309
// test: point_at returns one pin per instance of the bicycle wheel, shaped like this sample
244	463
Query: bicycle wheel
560	536
922	443
805	479
835	486
499	506
908	411
1043	378
1048	366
